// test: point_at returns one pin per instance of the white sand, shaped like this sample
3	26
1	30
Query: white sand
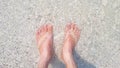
99	20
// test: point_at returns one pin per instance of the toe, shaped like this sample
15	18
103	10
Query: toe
73	26
38	32
50	28
76	28
78	31
67	27
70	25
37	35
42	28
45	28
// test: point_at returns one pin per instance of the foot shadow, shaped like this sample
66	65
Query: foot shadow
81	63
56	63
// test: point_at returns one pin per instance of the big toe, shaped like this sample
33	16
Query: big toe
67	28
39	32
73	26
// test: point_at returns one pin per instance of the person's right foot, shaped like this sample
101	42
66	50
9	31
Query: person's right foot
72	34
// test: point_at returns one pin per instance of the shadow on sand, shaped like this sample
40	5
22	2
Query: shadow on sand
81	63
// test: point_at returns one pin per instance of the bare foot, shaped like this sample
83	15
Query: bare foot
72	34
44	37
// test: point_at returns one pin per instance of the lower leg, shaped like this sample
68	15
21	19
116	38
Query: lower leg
43	63
68	57
45	58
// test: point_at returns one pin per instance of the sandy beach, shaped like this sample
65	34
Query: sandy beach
99	21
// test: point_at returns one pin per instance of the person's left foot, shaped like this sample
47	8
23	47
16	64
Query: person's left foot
44	37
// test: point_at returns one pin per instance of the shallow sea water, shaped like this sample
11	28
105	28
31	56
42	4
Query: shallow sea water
99	21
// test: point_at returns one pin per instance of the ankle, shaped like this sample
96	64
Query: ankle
69	60
70	63
43	64
67	57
